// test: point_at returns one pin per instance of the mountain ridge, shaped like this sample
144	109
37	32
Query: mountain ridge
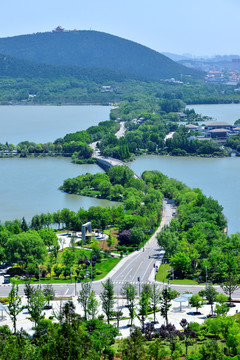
89	48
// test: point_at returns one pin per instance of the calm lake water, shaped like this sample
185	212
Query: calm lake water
42	124
30	186
222	112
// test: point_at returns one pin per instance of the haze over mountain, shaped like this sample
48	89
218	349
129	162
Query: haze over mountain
210	59
94	49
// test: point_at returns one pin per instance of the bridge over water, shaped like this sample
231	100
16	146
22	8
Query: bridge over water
108	162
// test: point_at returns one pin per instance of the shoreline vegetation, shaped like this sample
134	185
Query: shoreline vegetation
150	114
197	247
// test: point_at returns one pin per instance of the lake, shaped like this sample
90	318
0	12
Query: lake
30	186
42	124
221	112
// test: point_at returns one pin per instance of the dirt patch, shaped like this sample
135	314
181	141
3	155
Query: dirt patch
103	244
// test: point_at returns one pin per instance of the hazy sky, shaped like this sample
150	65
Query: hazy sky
200	27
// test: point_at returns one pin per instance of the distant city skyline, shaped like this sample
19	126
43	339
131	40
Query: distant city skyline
200	28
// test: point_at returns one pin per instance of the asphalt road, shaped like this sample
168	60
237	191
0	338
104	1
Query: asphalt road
140	265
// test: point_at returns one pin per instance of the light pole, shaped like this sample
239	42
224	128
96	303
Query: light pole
91	268
39	274
75	285
163	271
139	284
206	274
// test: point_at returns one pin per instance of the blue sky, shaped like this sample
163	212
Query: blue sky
200	27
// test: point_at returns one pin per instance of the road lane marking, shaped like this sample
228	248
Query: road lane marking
138	269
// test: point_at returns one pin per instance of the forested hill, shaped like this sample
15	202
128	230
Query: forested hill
94	49
20	68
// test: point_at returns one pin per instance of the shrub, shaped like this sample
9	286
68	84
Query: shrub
4	300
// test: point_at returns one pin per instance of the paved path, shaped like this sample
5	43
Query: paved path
120	133
169	136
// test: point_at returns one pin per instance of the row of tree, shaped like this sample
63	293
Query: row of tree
216	338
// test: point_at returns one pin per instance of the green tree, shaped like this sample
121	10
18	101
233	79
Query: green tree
83	297
167	296
28	291
211	350
181	264
157	351
26	247
107	298
168	240
144	307
230	285
211	295
92	305
196	301
133	347
221	307
24	225
68	258
14	305
129	292
73	242
155	296
233	339
49	237
36	305
49	293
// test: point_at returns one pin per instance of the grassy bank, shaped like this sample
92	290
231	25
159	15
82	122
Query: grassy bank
164	272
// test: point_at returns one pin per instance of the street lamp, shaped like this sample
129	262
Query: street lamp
139	285
75	285
39	274
206	274
163	270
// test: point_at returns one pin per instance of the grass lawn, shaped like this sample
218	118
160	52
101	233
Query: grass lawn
167	268
103	268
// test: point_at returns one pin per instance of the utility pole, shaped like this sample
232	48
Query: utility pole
139	285
75	285
206	274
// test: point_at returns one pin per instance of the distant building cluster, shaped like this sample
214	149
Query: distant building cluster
221	77
60	29
139	121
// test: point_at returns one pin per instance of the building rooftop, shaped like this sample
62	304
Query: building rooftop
218	123
191	126
218	130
